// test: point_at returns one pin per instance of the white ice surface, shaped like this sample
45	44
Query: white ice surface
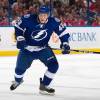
78	78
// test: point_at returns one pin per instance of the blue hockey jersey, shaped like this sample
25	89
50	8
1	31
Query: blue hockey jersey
37	34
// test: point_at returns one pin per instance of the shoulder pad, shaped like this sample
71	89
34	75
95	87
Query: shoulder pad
56	19
27	16
19	21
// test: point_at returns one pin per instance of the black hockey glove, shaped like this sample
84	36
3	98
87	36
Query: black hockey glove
65	48
21	43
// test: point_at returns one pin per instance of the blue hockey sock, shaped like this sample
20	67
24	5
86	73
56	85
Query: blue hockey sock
46	80
18	79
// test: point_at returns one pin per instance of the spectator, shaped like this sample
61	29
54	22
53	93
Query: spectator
3	17
71	9
96	22
78	21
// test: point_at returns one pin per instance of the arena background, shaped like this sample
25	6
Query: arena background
80	17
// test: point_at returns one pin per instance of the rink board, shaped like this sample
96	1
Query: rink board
81	38
57	52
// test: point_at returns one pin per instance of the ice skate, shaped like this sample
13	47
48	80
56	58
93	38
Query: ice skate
45	90
15	85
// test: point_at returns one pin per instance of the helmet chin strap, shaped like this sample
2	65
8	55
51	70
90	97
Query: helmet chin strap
44	22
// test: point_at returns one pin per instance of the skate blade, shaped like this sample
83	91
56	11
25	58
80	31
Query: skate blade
46	93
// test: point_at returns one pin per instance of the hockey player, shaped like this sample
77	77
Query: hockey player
32	34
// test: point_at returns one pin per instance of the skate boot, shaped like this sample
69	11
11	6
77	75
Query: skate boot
15	85
45	90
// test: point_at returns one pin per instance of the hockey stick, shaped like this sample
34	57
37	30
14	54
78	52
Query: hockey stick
83	51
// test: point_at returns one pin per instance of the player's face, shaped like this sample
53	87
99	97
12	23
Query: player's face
43	17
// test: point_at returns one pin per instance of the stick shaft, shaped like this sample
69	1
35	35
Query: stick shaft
84	51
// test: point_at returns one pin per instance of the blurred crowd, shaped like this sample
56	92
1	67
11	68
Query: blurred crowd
70	12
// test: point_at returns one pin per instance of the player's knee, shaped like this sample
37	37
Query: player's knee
53	66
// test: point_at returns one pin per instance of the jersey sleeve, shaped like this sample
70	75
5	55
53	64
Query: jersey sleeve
61	31
20	29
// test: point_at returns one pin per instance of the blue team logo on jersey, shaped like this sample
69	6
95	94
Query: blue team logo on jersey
39	35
